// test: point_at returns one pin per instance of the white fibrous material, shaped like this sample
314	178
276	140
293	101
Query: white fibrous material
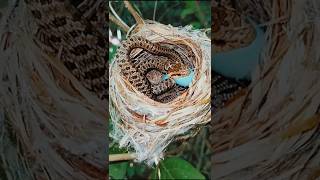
148	126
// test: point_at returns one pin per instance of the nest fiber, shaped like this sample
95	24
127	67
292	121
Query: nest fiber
148	126
273	130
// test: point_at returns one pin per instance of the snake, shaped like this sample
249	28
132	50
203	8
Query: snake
75	32
231	30
165	60
224	90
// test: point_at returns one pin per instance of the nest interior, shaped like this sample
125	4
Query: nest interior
139	55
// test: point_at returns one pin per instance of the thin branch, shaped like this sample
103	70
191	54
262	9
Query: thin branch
155	10
121	157
134	13
124	27
116	19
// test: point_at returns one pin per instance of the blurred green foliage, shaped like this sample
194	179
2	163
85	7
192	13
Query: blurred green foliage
126	169
176	13
112	51
176	168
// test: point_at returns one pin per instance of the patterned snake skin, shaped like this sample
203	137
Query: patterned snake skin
72	33
230	31
76	37
224	90
138	74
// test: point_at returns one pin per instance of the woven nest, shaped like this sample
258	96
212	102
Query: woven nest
272	131
146	125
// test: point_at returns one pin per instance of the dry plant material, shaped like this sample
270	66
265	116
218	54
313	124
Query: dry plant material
273	130
161	123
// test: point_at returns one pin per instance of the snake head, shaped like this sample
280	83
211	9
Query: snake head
177	70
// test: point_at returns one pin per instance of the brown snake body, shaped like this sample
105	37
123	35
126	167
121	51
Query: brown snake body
76	37
230	31
135	72
73	36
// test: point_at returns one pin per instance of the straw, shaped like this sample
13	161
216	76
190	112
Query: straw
148	126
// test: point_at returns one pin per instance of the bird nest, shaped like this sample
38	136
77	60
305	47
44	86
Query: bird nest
147	125
271	131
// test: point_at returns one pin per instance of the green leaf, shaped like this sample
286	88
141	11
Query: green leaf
116	150
190	4
136	169
140	169
176	168
196	25
118	170
186	12
131	171
112	52
110	125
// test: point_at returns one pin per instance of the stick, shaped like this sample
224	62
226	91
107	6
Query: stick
124	27
121	157
154	10
134	13
117	20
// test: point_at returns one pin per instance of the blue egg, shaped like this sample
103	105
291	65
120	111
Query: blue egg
165	77
185	81
240	63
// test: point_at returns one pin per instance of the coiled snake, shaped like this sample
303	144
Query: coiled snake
76	35
230	31
165	60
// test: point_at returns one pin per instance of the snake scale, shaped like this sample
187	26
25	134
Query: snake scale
138	73
224	90
230	31
76	34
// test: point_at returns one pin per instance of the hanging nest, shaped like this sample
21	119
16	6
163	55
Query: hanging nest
147	125
273	130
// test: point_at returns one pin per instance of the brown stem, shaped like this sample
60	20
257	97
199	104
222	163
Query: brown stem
121	157
134	13
124	27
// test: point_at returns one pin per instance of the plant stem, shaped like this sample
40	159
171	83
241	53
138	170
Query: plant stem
121	157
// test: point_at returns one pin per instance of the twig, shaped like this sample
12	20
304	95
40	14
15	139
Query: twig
134	13
124	27
121	157
116	19
155	10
